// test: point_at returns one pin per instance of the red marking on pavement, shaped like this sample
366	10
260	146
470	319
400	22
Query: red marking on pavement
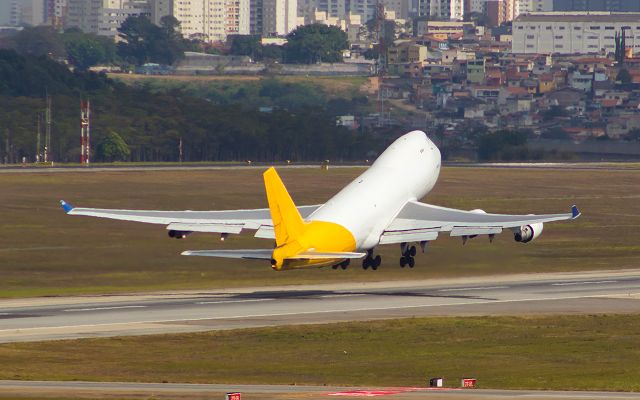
376	393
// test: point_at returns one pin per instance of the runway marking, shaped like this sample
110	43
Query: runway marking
473	288
101	308
386	392
232	301
329	296
25	330
582	283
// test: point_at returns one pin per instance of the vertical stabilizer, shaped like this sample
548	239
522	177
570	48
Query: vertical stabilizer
287	222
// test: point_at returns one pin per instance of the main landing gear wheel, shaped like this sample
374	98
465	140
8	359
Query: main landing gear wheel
370	261
408	254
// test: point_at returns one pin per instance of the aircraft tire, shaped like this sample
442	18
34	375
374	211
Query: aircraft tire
412	251
412	262
403	262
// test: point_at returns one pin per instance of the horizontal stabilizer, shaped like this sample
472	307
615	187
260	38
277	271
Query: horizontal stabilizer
320	255
252	254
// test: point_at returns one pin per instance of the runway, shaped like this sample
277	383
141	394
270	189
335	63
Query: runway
43	389
102	316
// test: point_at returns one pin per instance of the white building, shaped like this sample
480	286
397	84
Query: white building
446	9
279	17
574	33
528	6
209	20
103	17
26	12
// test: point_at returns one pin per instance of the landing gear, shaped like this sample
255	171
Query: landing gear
408	254
342	265
371	261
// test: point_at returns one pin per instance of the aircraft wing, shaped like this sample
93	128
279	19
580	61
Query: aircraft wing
418	222
227	221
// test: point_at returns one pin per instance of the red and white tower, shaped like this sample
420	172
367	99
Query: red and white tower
85	125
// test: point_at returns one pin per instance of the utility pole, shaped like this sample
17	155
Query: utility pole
47	138
85	125
38	129
180	150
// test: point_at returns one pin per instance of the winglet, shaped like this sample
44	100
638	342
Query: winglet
66	206
575	213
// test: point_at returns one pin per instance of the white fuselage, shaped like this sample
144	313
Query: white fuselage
407	170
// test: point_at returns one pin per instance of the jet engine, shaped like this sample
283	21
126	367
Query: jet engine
527	233
179	234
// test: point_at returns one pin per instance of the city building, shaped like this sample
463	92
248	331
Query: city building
445	9
103	17
597	5
26	12
574	33
54	12
279	17
208	20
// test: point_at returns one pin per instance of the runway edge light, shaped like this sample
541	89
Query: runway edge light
233	396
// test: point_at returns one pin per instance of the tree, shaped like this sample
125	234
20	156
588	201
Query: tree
314	43
497	145
39	41
86	50
245	45
143	42
624	76
112	148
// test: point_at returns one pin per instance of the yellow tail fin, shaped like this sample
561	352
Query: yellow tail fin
287	222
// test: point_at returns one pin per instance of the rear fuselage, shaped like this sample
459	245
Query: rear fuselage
355	218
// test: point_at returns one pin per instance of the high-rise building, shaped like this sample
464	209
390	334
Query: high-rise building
54	12
103	17
26	12
279	17
209	20
446	9
597	5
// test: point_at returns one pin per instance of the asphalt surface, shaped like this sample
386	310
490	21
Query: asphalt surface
101	316
182	390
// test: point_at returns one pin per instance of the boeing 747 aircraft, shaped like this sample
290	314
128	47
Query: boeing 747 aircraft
379	207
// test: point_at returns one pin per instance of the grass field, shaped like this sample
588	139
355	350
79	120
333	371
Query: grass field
45	252
559	352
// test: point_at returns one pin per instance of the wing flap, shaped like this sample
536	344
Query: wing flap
478	230
208	228
413	235
251	254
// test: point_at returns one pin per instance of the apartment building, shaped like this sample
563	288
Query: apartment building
279	17
573	33
103	17
446	9
597	5
208	20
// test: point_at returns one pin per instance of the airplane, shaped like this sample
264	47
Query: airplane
379	207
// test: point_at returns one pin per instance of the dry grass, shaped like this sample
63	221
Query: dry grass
559	352
45	252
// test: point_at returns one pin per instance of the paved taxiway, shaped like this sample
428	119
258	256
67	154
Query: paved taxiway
183	390
98	316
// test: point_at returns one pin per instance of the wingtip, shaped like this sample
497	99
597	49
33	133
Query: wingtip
186	253
66	206
575	213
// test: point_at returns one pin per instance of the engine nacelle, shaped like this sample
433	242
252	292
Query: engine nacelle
528	233
179	234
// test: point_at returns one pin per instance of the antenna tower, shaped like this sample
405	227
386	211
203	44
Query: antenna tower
47	137
85	125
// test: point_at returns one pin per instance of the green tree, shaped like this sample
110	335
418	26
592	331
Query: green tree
39	41
112	148
86	50
502	144
144	42
624	76
245	45
314	43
